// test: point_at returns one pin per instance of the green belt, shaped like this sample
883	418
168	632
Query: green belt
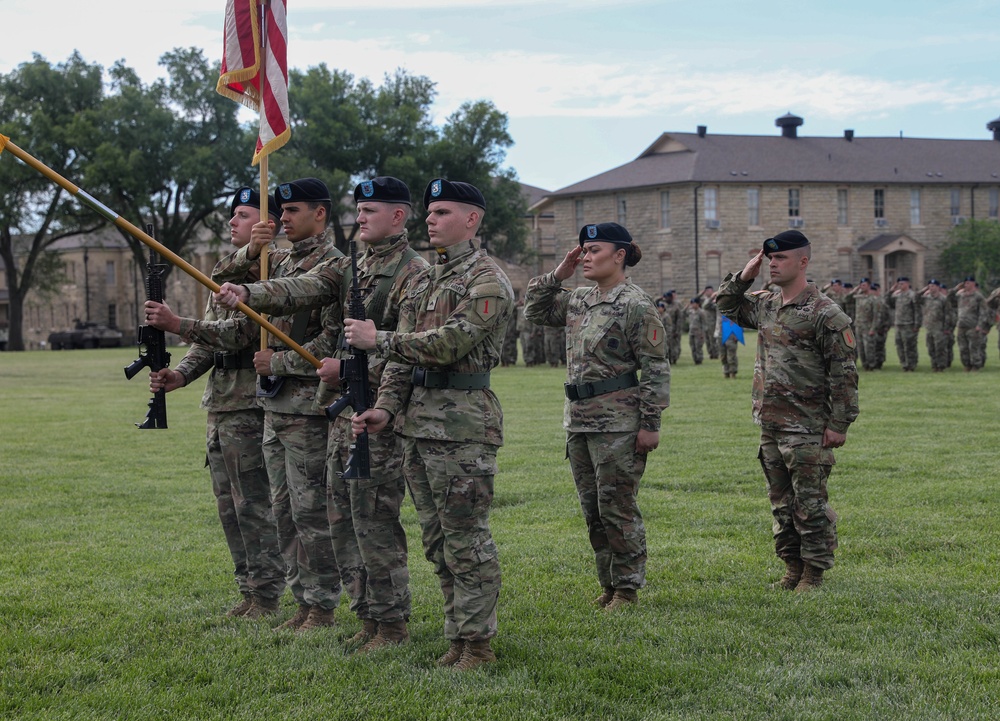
446	379
582	391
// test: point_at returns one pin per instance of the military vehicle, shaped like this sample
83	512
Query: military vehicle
86	335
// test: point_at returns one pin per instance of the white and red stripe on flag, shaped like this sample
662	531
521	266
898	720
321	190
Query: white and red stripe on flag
241	78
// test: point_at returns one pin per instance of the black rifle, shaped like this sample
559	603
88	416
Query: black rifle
152	344
354	379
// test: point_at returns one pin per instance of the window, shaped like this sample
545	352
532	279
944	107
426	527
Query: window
664	208
879	203
711	204
842	206
753	207
109	272
578	211
956	202
620	206
794	207
112	315
994	203
914	206
714	268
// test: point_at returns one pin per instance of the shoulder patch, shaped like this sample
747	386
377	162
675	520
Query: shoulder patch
483	289
654	334
849	338
487	307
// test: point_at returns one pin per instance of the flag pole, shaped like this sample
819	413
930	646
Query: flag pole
265	251
87	199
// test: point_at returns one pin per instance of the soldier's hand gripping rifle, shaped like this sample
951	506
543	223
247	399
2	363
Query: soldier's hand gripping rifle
354	378
152	344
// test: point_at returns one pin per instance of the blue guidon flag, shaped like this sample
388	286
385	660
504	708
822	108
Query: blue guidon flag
435	188
591	231
729	328
368	189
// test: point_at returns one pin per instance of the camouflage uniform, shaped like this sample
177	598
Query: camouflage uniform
934	326
233	450
295	432
710	310
805	381
610	335
730	348
950	321
696	333
526	331
452	321
906	319
509	355
866	309
993	304
884	315
555	345
368	539
973	315
673	324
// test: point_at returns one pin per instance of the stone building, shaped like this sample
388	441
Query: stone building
699	204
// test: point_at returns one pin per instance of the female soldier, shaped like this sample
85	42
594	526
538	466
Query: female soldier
612	416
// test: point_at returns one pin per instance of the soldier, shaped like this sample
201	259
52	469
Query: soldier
866	311
729	345
525	329
986	327
697	329
950	322
555	343
906	320
884	315
934	300
973	315
711	321
436	391
673	324
993	304
368	539
509	355
235	430
805	396
612	415
295	428
836	291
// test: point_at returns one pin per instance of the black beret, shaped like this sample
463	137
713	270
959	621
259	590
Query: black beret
608	232
697	300
383	189
865	280
971	278
789	240
835	280
934	281
309	190
251	198
902	279
441	189
875	286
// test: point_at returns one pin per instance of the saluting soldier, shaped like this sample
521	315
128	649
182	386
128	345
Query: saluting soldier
973	315
697	329
934	300
906	319
436	391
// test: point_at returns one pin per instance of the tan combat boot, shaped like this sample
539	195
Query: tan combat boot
262	607
475	654
605	598
812	578
793	572
318	617
369	628
292	624
242	607
623	597
453	654
390	633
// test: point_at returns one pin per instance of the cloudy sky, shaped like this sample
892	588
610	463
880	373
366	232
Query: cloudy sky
589	84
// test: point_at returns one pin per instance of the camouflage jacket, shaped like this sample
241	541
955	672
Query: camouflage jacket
697	320
676	315
227	389
322	329
804	378
453	317
329	283
972	310
905	306
934	310
607	335
865	312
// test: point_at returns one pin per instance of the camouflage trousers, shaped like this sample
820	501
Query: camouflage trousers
368	540
950	341
243	498
880	338
937	349
797	467
713	346
866	347
452	488
971	347
295	453
729	352
674	349
607	470
696	339
906	345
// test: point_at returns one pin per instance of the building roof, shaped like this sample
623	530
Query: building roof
696	158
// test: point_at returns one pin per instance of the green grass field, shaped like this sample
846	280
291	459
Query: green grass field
114	576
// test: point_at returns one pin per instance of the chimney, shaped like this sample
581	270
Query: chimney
849	135
702	129
788	123
994	125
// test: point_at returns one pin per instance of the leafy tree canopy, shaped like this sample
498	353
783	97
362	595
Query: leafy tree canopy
974	249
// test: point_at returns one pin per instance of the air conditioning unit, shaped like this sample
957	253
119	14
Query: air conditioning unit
957	219
712	223
881	222
796	222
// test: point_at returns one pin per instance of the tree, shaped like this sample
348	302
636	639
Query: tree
52	111
974	249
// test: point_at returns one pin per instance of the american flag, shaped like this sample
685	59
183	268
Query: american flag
243	58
